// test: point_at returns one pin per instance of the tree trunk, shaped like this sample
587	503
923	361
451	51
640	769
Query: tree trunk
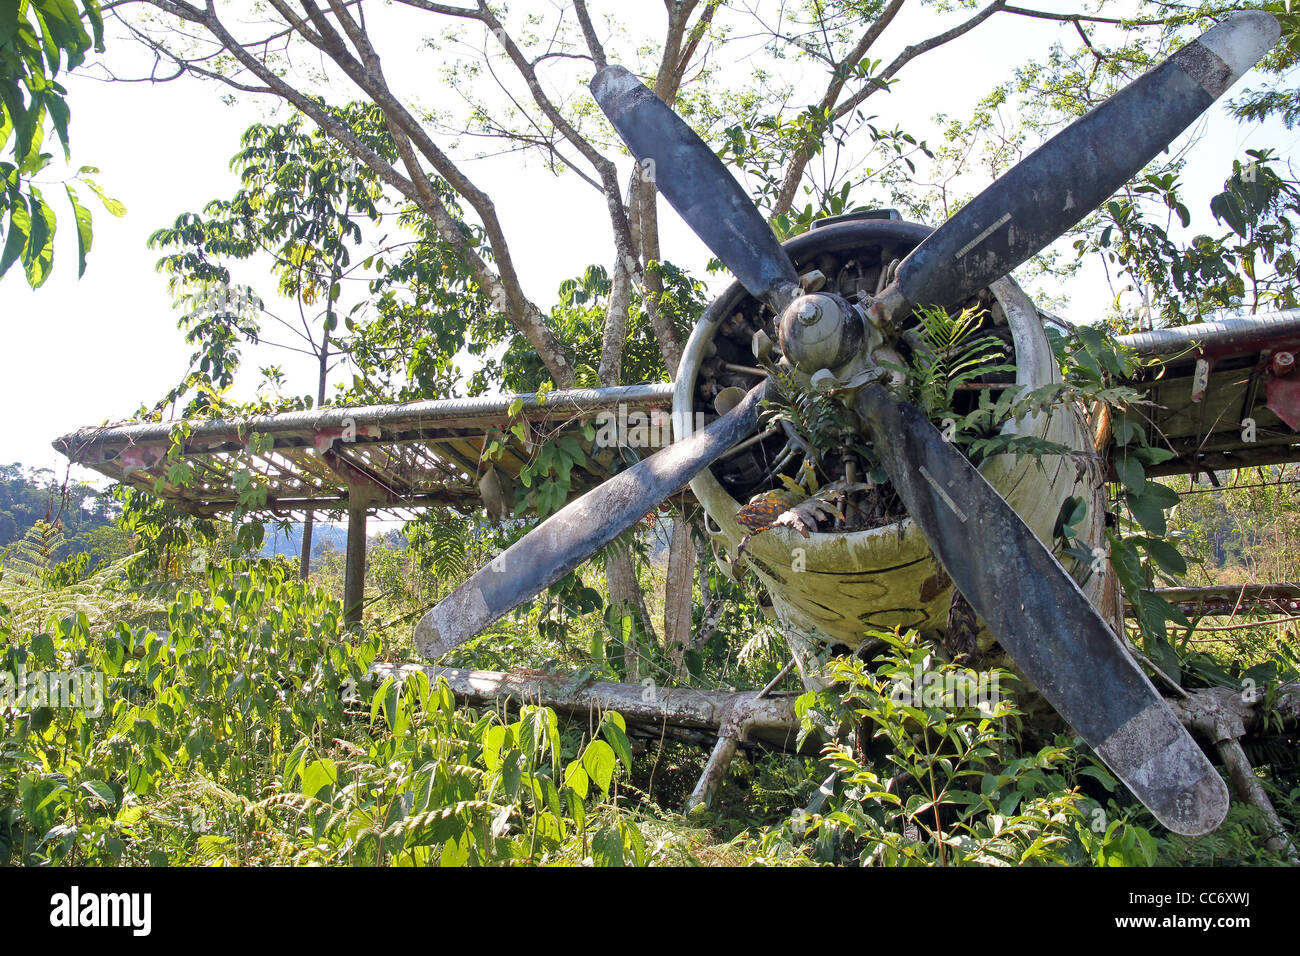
304	556
625	597
677	592
308	522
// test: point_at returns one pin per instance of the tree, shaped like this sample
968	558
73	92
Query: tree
1248	257
1272	100
794	123
302	203
38	39
29	497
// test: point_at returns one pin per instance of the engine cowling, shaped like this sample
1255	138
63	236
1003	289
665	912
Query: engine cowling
834	586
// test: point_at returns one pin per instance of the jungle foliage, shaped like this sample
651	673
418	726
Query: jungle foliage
39	41
237	722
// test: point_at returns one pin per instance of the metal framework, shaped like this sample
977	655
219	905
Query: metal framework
1215	379
1226	394
362	459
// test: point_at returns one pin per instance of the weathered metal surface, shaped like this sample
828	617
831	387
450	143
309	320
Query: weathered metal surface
770	719
697	184
886	577
1241	417
1230	600
418	454
1047	624
1075	171
577	531
1234	336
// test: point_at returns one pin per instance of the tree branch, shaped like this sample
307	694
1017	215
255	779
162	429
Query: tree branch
503	286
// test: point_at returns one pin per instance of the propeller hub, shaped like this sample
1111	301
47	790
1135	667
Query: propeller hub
821	330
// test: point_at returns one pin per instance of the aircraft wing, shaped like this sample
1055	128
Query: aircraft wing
1226	394
407	455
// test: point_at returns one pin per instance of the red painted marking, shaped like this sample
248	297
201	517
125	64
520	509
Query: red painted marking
1284	400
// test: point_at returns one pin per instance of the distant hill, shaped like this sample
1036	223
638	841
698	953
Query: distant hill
87	517
324	536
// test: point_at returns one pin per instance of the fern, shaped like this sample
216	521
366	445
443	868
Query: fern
36	593
819	419
947	352
34	557
441	539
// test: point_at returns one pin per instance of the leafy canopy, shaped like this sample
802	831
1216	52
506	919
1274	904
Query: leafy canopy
38	39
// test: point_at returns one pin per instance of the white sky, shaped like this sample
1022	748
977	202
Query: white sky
80	352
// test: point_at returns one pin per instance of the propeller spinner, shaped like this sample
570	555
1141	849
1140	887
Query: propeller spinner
1021	592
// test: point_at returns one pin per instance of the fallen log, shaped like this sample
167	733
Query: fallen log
1219	715
1222	716
734	730
647	708
1230	599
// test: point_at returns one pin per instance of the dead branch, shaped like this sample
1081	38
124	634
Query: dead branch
770	719
1222	716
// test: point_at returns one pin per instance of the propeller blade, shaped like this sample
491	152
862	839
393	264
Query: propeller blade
1074	172
578	530
1044	621
698	186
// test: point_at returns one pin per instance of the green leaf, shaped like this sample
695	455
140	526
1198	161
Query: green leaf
96	18
1152	456
102	791
1129	470
598	760
294	762
1167	556
1073	510
114	207
82	216
16	241
615	731
1126	431
1162	495
1148	511
381	701
38	257
317	775
1162	653
1101	776
8	22
575	778
607	847
43	648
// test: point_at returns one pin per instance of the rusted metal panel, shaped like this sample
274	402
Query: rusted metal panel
1246	413
1284	400
416	454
